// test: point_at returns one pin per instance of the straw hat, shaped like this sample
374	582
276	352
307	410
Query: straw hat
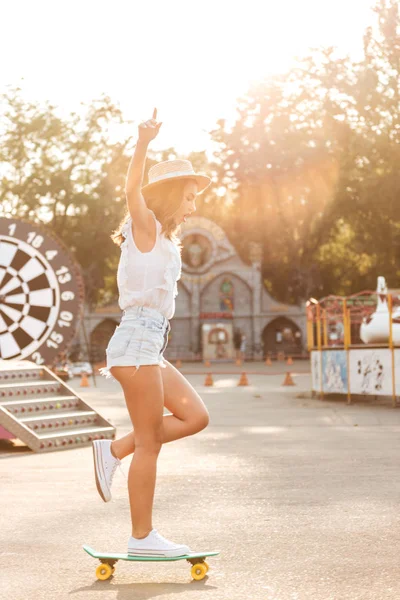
175	169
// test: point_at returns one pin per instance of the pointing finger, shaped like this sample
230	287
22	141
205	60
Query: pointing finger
155	113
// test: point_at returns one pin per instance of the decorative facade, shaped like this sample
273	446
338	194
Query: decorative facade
219	295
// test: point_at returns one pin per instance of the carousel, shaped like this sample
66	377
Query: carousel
354	343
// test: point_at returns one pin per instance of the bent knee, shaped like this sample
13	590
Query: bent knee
201	422
149	442
152	446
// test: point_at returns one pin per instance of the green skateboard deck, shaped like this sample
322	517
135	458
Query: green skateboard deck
107	560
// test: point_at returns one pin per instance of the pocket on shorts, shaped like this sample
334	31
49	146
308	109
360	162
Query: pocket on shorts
154	325
118	344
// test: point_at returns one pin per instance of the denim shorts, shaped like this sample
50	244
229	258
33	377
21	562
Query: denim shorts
139	339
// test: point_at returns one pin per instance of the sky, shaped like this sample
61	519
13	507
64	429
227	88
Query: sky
192	60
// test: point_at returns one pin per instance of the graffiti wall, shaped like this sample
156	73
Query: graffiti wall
334	372
370	371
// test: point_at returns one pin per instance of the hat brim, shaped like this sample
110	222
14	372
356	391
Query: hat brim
202	182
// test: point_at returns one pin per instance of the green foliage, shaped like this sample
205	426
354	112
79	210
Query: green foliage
67	174
312	165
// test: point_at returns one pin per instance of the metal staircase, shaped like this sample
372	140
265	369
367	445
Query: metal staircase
42	411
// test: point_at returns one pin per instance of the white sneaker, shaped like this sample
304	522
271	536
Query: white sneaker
155	545
105	464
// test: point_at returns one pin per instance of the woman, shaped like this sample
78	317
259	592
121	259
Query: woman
149	267
237	340
243	348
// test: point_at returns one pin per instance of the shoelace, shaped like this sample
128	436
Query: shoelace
158	536
163	540
122	471
116	464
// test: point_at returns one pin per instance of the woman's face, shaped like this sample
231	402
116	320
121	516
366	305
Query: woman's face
188	204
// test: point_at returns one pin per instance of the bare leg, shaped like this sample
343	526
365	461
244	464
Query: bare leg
173	429
189	412
144	399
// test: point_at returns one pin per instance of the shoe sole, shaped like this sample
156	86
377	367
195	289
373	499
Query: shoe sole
95	475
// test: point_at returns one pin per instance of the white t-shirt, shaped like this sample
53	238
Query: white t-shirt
149	278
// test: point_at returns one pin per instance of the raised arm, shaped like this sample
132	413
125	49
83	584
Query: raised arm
137	207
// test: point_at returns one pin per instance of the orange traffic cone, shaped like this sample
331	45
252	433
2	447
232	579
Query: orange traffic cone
209	379
238	362
289	361
84	380
207	363
288	379
178	363
243	379
268	361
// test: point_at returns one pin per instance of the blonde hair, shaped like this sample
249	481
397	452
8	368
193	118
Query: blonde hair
164	200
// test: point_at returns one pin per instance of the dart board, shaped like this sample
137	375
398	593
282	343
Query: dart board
41	293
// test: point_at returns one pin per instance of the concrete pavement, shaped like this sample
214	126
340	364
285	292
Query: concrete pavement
301	496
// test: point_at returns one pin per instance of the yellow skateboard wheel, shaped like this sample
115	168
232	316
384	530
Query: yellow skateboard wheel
206	566
103	572
198	571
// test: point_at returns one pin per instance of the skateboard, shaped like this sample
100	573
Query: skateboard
107	560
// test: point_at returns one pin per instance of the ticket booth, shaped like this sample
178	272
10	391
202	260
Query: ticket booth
217	341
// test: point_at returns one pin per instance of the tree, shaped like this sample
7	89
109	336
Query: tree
67	174
368	197
282	159
308	156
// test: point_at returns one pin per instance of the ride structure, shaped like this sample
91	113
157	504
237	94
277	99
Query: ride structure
354	343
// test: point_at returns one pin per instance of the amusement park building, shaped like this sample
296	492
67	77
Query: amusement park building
218	295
